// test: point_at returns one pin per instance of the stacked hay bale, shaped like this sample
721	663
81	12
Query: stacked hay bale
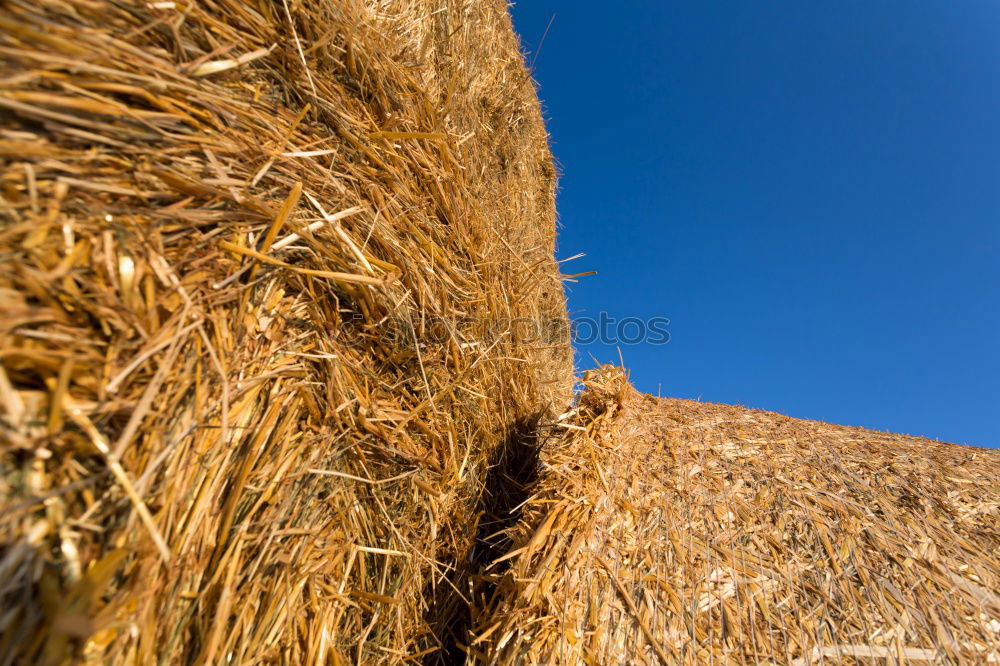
678	532
262	267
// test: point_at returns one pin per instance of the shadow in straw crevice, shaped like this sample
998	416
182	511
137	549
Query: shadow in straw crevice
454	605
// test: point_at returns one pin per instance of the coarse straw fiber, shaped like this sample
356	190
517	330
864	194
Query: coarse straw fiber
260	269
667	531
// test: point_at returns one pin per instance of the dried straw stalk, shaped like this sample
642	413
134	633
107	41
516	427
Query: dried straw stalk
665	531
210	212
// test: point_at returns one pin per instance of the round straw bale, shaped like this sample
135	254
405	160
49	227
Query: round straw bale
260	269
668	531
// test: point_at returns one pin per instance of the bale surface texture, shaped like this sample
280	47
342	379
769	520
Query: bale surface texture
261	270
667	531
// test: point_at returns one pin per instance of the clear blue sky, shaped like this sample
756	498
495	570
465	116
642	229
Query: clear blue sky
810	191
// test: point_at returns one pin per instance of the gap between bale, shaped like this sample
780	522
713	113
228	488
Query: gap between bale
508	484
